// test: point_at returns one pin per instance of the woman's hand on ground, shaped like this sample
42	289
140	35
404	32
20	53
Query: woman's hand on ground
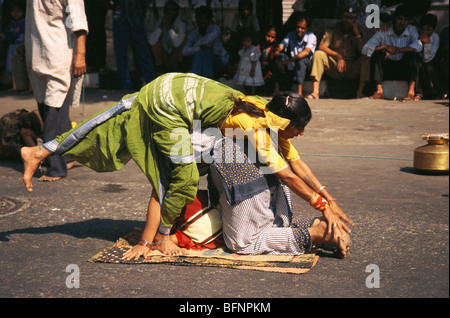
136	252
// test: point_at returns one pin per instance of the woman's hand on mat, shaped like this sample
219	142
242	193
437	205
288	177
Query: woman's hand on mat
136	252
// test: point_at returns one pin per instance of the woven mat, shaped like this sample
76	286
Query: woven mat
219	257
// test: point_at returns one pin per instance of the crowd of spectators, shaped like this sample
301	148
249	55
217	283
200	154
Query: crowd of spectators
322	39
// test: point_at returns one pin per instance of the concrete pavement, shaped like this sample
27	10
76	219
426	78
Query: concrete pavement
362	150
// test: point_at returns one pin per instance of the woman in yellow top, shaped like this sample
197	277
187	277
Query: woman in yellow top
145	127
253	195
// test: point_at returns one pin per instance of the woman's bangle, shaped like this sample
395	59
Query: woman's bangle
318	202
321	188
145	243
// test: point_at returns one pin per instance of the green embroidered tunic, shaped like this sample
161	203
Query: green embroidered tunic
161	117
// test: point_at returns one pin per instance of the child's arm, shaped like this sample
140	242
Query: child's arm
252	71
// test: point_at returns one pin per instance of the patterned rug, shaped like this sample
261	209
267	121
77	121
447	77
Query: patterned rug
219	257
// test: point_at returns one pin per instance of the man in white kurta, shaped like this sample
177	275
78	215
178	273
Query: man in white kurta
55	38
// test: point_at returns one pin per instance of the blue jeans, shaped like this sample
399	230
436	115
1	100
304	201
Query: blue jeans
206	63
302	67
122	34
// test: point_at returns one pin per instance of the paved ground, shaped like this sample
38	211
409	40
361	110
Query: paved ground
361	149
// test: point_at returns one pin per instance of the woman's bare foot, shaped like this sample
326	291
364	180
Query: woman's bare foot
319	234
49	179
31	157
167	245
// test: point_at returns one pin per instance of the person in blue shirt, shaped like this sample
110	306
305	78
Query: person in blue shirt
205	46
296	51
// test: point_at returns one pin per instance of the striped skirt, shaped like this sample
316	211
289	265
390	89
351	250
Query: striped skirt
261	221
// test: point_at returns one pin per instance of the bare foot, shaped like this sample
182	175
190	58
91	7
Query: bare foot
49	179
167	245
319	234
31	157
71	164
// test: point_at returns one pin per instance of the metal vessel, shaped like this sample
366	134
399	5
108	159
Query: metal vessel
434	156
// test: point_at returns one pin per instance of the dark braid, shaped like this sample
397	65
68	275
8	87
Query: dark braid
241	106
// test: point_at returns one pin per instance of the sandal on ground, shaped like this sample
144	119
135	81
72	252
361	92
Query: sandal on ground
312	96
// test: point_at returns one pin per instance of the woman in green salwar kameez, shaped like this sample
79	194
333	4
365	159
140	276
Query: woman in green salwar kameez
149	128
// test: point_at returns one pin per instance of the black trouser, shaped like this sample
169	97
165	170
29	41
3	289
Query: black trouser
96	12
429	80
405	69
56	122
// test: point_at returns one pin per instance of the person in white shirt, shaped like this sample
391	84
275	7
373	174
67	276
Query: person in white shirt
297	48
167	39
395	52
55	46
428	79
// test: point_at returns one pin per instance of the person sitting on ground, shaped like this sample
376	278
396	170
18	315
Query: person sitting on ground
154	128
296	51
18	129
429	70
256	206
395	52
205	46
339	54
268	47
167	39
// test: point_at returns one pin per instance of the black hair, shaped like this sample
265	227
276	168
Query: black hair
404	11
247	34
291	106
203	10
171	2
241	106
245	4
35	123
429	19
305	18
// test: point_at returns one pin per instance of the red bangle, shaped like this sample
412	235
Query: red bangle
318	202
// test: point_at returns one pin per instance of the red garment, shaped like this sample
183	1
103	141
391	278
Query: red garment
201	203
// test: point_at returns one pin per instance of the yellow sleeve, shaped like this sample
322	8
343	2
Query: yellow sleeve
236	127
288	150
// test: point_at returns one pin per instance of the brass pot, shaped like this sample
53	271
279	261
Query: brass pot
433	157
